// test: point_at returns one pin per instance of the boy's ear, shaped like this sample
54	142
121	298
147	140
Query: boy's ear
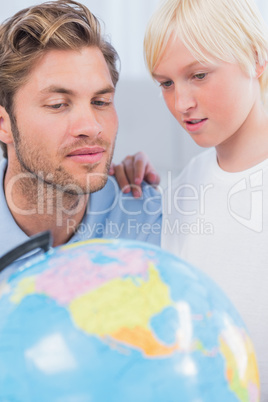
5	127
260	69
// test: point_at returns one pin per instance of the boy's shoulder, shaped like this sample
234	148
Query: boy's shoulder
207	156
198	166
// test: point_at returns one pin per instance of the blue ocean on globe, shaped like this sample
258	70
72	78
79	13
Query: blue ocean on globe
120	321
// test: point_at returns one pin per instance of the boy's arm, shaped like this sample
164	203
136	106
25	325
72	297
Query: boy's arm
132	171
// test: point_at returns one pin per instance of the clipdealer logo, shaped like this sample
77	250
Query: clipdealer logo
255	188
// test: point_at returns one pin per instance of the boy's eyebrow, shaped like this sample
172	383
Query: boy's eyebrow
193	64
187	67
61	90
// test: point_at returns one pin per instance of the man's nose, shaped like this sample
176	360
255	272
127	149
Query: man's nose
85	123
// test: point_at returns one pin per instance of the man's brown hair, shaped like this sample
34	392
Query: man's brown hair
25	37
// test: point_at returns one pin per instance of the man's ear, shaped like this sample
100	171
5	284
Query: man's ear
260	69
5	127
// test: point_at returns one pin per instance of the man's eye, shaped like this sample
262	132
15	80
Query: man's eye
101	103
166	84
57	106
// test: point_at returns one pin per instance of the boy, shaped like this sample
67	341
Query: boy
209	58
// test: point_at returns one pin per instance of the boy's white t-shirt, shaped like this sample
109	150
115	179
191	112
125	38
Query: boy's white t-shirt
218	221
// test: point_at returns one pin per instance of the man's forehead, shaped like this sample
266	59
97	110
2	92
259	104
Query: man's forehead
67	71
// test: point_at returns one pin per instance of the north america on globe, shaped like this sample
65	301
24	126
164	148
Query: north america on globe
131	306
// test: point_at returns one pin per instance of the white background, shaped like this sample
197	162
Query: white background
145	123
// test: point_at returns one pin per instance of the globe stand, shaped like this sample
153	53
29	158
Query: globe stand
42	240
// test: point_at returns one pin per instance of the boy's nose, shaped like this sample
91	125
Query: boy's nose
184	100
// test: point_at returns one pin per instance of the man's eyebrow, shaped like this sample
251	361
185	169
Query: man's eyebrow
108	90
58	90
61	90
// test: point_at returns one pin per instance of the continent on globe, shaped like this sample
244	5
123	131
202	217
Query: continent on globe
120	321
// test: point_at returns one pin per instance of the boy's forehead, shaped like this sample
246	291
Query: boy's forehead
176	54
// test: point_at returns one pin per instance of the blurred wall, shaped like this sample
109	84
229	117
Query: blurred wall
145	123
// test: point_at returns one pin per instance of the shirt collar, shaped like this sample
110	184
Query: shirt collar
10	233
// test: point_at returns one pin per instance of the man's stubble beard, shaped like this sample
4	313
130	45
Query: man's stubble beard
57	178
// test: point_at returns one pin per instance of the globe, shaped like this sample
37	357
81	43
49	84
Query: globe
120	321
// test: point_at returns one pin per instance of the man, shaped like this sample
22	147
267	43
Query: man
58	126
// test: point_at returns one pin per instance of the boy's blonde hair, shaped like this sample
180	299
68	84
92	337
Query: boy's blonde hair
29	34
228	30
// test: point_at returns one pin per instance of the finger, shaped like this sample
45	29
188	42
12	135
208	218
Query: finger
111	169
139	167
128	164
129	169
122	180
136	190
151	176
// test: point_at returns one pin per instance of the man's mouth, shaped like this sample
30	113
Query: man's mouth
88	155
87	151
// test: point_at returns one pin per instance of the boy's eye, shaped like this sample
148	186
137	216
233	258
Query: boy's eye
166	84
200	76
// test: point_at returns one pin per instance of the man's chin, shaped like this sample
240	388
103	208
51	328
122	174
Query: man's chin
96	185
93	184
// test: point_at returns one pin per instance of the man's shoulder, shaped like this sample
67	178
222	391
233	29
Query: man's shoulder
112	197
113	214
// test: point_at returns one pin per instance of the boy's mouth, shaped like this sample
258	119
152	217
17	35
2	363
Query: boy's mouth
194	124
194	121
